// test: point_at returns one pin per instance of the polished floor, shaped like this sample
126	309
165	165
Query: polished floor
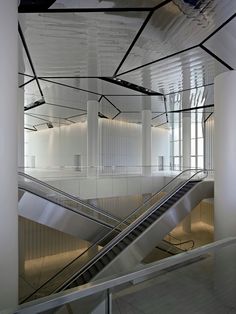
206	286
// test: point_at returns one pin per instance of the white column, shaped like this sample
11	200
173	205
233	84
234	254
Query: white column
186	120
225	155
146	142
92	136
8	155
21	127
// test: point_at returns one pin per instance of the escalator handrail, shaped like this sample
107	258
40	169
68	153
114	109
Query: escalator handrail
73	198
106	248
96	220
129	228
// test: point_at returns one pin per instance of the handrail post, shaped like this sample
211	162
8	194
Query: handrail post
109	301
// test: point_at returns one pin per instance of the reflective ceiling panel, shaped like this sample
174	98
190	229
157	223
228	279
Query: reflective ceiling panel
137	103
63	4
23	64
159	120
96	85
65	96
190	69
47	111
79	44
32	93
198	97
176	26
223	43
133	117
107	109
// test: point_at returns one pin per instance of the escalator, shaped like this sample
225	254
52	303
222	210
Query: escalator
47	205
147	226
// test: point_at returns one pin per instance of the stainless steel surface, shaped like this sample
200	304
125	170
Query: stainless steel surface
187	70
142	245
114	281
60	218
47	205
174	27
223	43
79	44
59	4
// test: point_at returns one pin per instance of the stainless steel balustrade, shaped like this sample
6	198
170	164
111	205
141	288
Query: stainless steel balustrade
107	285
64	279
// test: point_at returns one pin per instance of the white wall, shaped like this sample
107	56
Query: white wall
160	145
120	144
56	147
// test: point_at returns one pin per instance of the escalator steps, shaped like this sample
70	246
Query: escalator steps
105	260
99	265
110	255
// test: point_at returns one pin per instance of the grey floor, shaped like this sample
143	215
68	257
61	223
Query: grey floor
195	288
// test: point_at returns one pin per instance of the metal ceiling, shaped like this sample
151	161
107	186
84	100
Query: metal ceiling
122	53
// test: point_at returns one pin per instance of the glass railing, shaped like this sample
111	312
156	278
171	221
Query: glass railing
198	281
61	198
63	278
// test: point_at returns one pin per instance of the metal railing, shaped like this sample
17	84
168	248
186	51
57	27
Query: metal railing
115	282
130	228
66	195
123	233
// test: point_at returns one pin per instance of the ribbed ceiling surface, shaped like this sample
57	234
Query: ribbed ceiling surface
173	47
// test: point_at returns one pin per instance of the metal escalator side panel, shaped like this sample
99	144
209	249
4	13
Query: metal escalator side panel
133	254
55	216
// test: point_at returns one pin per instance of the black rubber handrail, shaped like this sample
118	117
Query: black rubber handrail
129	229
104	250
71	197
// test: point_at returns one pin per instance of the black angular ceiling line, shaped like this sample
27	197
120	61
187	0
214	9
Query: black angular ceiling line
34	104
77	115
29	57
218	29
164	99
187	89
159	115
134	42
132	86
26	5
85	10
158	60
216	57
20	73
100	98
139	33
29	129
208	117
69	86
191	108
112	104
62	106
22	85
68	77
116	115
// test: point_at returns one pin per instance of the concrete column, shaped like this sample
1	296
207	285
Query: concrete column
21	128
225	155
8	155
92	137
146	142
